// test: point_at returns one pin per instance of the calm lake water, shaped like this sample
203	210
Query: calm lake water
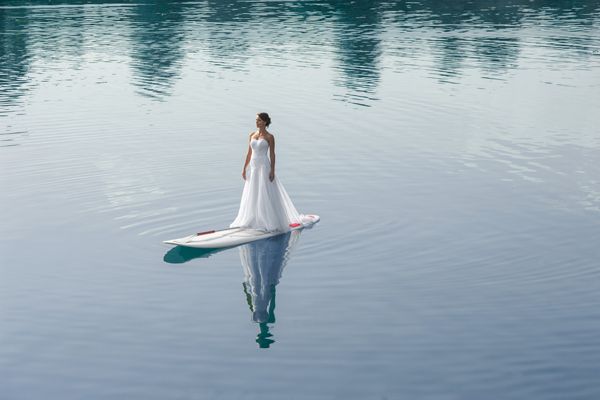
451	149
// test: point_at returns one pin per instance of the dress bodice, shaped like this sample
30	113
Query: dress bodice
260	147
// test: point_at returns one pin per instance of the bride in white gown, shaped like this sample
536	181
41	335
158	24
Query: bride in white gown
265	204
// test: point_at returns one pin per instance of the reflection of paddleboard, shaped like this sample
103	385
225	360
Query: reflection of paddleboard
235	236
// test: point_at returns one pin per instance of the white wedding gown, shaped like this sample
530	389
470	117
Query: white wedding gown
265	205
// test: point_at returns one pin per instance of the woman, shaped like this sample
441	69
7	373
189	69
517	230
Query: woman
265	205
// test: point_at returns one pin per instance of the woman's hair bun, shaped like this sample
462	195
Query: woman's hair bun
265	117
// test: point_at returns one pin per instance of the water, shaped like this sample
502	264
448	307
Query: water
450	148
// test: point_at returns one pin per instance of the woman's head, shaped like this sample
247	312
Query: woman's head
263	118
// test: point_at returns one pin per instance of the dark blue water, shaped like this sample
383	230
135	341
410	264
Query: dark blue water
450	148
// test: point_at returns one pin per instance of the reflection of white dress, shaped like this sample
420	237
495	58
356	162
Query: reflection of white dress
263	261
265	205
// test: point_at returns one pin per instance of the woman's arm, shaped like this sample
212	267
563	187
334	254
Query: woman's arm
247	157
272	156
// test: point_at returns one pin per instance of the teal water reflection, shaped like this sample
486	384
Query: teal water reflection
157	46
180	255
156	39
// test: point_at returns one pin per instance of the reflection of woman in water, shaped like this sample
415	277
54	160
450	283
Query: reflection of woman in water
263	261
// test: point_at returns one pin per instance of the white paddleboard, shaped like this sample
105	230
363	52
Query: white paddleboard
235	236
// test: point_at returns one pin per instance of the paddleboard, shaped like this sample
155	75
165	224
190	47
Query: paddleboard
217	239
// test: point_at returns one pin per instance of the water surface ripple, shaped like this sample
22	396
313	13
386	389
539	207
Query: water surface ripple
450	148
